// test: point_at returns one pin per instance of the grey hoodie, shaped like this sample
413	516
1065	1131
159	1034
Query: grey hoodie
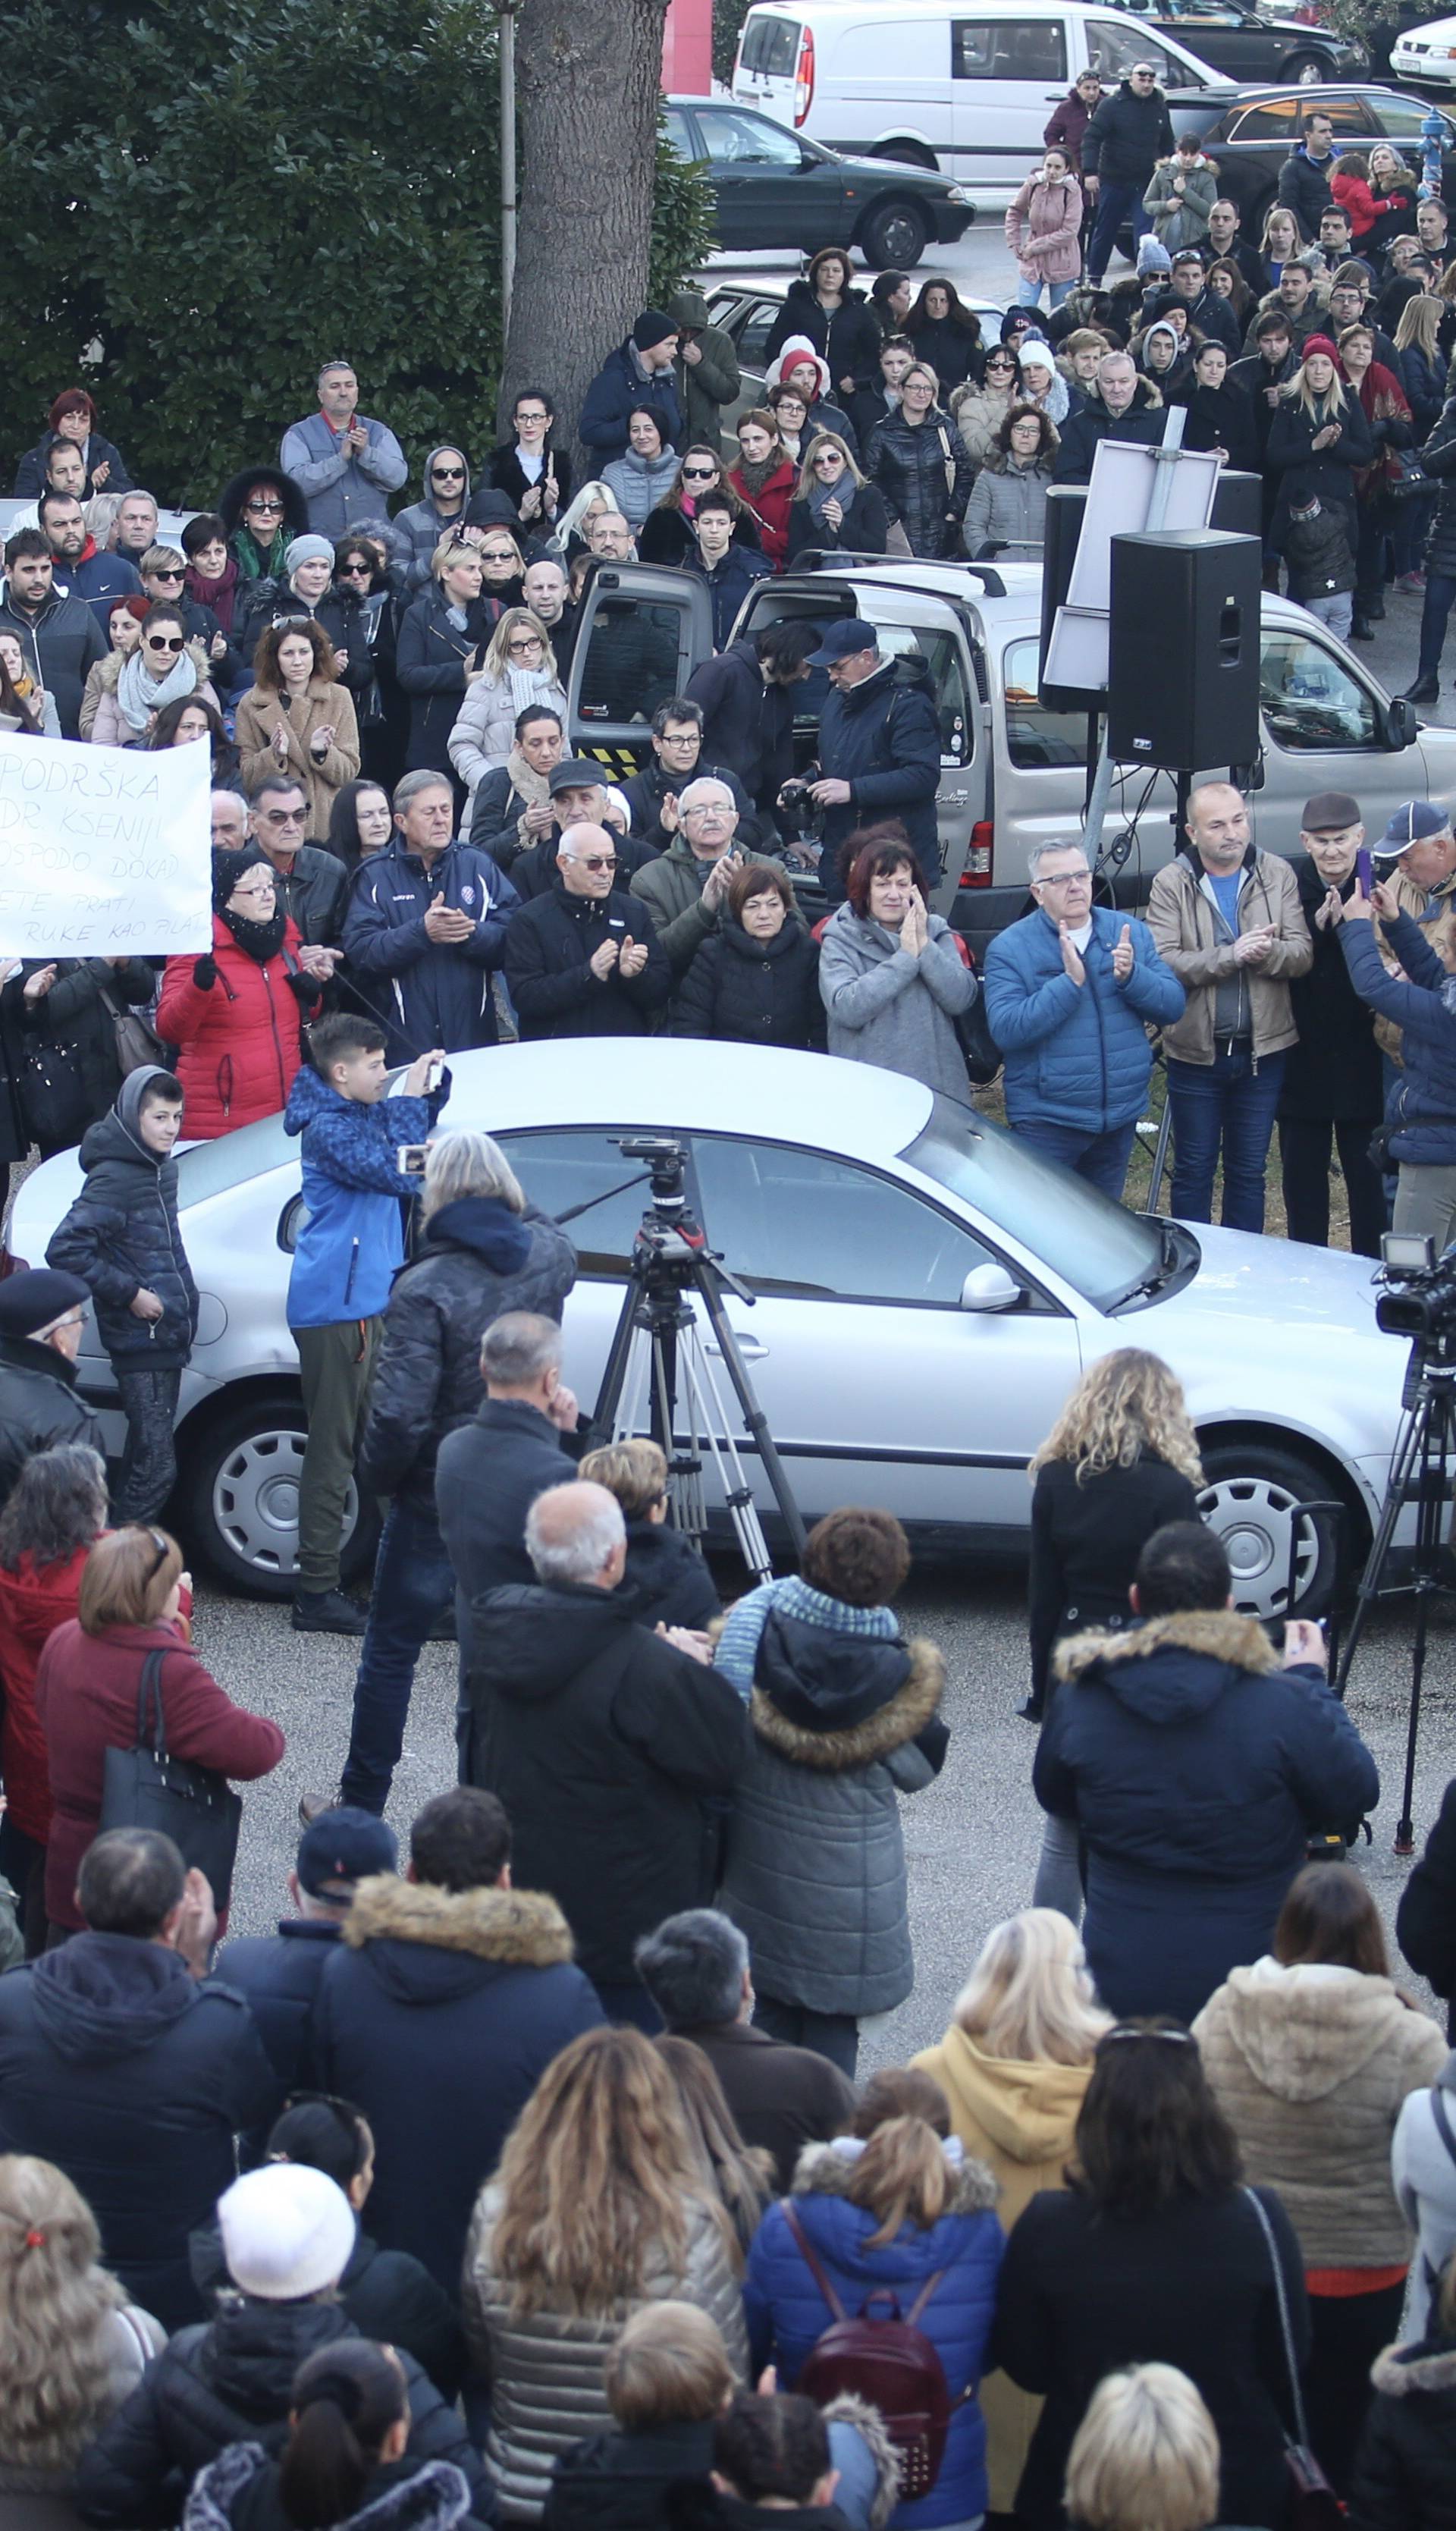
415	531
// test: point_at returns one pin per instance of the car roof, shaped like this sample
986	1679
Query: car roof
705	1088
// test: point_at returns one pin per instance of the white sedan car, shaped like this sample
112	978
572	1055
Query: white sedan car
1425	54
927	1291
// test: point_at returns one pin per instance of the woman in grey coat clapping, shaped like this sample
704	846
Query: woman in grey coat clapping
893	981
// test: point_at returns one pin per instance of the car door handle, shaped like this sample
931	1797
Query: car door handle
748	1346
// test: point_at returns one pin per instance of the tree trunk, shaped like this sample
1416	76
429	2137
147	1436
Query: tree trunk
588	74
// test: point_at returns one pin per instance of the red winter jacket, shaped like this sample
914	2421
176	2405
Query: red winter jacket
1353	195
34	1600
86	1695
238	1045
771	507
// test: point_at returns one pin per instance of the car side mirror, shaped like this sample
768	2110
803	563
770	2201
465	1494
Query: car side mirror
990	1287
1401	723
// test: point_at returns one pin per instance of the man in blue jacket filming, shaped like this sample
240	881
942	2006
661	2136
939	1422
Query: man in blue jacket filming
1069	992
350	1247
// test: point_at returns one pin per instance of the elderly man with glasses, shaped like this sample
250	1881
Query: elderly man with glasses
585	960
311	883
345	465
1123	142
687	886
425	927
41	1322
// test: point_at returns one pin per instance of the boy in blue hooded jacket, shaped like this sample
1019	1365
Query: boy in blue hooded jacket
350	1247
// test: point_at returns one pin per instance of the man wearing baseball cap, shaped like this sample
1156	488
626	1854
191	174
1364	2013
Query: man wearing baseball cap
279	1973
1420	996
636	375
1332	1083
880	747
40	1408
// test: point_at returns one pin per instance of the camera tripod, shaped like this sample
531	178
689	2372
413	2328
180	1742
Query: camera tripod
1420	1468
659	1359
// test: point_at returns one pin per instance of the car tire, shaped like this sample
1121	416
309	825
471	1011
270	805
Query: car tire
1306	70
910	154
238	1498
1253	1495
894	236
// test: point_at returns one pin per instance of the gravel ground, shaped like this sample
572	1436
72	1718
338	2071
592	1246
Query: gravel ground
972	1839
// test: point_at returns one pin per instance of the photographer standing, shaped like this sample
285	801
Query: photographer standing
1420	1110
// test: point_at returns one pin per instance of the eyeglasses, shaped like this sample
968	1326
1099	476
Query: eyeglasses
264	509
447	475
163	1550
166	571
499	553
255	894
594	861
699	474
531	417
356	571
828	457
155	643
1063	878
285	817
525	642
1000	364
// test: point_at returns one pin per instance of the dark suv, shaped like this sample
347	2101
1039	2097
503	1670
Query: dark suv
1249	132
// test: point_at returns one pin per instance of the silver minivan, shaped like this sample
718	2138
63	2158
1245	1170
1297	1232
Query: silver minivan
967	89
1012	772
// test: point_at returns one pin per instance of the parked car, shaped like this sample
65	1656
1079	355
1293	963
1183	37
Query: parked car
1249	133
1427	53
774	189
927	1292
1013	773
748	310
1245	45
964	91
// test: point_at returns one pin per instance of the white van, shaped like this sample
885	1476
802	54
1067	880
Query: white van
967	89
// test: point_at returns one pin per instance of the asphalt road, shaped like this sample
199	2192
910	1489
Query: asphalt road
973	1840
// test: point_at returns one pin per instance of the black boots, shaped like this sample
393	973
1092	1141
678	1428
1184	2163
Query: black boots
1424	690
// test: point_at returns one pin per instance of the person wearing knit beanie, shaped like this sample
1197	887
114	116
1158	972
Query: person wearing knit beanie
652	331
638	372
288	2232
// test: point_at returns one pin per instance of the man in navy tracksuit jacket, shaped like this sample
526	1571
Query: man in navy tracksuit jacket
424	928
350	1247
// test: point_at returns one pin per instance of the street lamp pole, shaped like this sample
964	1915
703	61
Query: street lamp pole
507	12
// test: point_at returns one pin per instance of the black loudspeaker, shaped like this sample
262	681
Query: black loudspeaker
1183	649
1066	505
1238	504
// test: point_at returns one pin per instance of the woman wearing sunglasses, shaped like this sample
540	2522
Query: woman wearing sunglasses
163	668
668	533
833	504
980	412
261	510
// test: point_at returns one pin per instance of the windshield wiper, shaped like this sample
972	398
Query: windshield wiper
1149	1285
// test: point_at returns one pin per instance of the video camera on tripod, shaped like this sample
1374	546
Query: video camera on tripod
1418	1296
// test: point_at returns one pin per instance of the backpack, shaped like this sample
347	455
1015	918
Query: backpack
886	2361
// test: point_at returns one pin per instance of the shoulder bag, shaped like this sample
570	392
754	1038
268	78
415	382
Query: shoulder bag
1405	477
1313	2504
144	1787
137	1040
983	1055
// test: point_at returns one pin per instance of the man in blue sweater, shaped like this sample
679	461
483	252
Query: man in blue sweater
1068	991
350	1247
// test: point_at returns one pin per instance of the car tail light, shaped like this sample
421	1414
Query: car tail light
804	77
980	870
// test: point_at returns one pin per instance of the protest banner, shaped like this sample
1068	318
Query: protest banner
104	850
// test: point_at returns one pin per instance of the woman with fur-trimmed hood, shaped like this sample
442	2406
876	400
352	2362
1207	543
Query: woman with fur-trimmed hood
1405	2478
1195	1761
845	1716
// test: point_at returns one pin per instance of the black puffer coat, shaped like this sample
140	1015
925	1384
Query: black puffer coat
668	1577
240	2492
72	1074
388	2296
40	1406
759	992
429	662
230	2381
1405	2477
476	1261
549	948
1127	135
923	477
1439	457
122	1236
1290	453
848	336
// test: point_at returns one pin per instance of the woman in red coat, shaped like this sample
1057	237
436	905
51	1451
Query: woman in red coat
86	1686
766	479
55	1513
234	1014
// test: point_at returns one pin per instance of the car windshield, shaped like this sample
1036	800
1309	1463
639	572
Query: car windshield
1096	1247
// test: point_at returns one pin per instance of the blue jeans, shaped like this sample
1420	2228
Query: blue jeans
1440	598
1101	1158
835	2035
413	1582
1115	203
1029	293
1228	1103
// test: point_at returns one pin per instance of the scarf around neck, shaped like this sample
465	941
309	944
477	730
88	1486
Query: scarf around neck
258	940
529	785
138	694
842	490
219	595
753	477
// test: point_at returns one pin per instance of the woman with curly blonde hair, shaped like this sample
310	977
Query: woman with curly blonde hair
72	2348
1121	1460
600	2206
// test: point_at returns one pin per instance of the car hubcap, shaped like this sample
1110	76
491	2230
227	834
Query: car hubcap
256	1502
1257	1521
1309	74
902	238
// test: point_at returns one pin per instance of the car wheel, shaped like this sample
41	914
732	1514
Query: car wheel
894	235
1255	1499
240	1495
908	153
1305	70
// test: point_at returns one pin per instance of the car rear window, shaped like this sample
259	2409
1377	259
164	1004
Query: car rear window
770	46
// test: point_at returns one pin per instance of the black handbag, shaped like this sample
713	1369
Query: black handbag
142	1788
1406	477
1313	2503
974	1031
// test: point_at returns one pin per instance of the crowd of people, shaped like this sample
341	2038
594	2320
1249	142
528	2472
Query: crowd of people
533	2180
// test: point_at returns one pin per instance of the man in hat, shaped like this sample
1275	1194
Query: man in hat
40	1407
880	747
1333	1085
577	795
279	1973
345	465
638	374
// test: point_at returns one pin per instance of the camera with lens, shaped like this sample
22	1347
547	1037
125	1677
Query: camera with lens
1419	1295
799	806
